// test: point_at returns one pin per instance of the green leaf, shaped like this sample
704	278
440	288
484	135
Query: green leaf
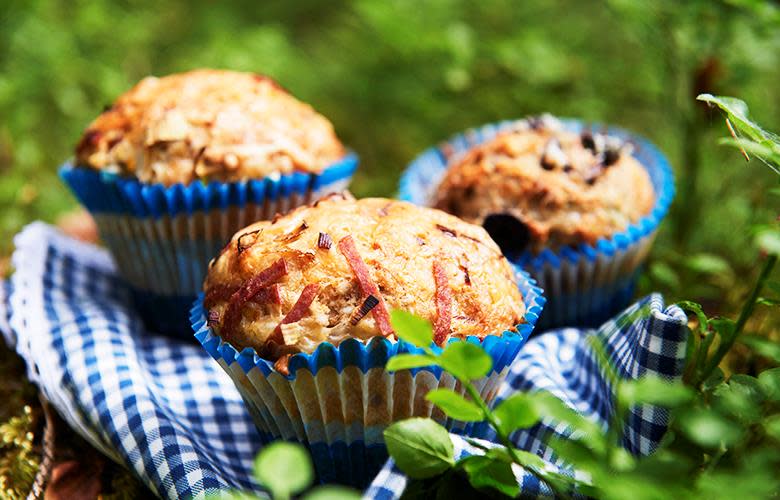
548	406
527	459
770	381
411	328
420	447
724	327
737	112
466	361
759	142
284	469
516	412
768	240
772	426
233	495
408	361
655	391
455	405
698	343
476	444
768	301
741	398
622	460
332	493
762	346
538	466
577	452
708	429
624	320
752	384
714	380
727	484
708	264
764	152
602	356
487	472
665	275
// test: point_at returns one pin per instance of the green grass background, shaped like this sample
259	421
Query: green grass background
397	76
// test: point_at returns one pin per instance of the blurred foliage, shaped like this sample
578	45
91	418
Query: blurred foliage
19	416
398	76
19	460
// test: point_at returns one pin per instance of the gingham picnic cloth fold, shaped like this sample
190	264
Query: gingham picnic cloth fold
168	412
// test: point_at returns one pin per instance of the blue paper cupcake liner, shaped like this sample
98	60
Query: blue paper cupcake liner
162	238
584	284
339	399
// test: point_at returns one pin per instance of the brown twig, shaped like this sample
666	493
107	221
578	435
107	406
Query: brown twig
47	459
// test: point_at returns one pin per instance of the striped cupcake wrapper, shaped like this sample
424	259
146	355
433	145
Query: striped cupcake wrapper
162	238
585	284
339	399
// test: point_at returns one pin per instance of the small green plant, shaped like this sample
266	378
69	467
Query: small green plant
285	470
735	421
723	440
423	449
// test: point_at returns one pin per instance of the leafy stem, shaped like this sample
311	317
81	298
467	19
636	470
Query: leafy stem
504	439
466	362
747	311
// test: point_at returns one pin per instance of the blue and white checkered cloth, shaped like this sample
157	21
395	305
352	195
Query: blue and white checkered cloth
168	412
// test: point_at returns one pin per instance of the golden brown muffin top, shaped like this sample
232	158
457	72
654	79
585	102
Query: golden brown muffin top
335	269
208	125
537	186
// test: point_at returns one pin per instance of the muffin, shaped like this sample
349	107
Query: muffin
208	125
297	311
179	163
577	206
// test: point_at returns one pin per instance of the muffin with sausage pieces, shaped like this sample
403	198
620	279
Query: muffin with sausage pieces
577	205
297	311
179	163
